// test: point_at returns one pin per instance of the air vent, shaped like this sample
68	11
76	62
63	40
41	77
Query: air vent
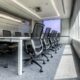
38	9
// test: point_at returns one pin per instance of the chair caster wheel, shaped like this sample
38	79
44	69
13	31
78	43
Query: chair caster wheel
48	60
41	70
51	56
44	62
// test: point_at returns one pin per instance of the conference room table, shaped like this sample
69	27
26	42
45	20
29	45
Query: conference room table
19	40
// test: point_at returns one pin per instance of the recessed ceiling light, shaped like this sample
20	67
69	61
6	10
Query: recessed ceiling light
26	8
54	6
52	17
2	15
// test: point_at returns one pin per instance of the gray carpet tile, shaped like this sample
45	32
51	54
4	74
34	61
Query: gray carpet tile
31	71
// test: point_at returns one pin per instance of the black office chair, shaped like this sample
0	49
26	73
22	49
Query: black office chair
4	51
18	34
26	34
11	46
35	50
7	33
25	42
58	45
53	41
46	42
4	46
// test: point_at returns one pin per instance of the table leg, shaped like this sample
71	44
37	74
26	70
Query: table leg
20	64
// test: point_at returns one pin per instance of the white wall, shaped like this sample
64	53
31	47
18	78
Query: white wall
13	26
64	31
76	11
76	45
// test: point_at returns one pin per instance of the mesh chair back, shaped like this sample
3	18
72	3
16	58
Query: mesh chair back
53	35
46	39
53	38
26	34
6	33
36	41
18	34
58	36
47	31
37	31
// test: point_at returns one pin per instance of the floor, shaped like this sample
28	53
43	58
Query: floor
63	66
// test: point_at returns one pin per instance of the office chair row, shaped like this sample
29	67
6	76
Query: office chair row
40	45
7	33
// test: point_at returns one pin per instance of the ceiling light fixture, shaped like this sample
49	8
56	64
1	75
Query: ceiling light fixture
9	17
26	8
52	17
54	6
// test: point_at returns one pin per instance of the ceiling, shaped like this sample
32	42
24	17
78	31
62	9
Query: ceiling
49	8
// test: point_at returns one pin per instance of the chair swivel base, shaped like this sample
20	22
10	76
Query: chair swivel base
48	60
41	70
33	61
44	62
51	56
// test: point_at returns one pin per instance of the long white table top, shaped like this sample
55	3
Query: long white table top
14	39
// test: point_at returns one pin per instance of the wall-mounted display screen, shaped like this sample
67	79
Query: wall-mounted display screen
53	24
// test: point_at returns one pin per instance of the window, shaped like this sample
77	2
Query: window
53	24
